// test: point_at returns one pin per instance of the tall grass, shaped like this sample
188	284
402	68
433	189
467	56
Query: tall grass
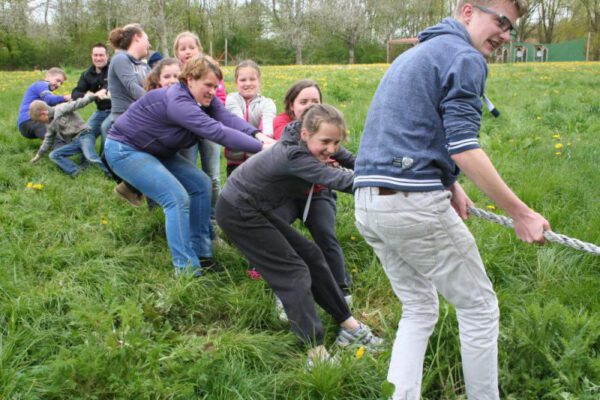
89	306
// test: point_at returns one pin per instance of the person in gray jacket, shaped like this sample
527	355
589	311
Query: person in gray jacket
65	122
422	128
293	266
127	71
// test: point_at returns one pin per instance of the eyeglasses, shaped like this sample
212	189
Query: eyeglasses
505	24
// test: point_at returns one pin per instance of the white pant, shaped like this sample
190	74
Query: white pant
424	248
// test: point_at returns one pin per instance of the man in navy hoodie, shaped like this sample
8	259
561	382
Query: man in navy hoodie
421	130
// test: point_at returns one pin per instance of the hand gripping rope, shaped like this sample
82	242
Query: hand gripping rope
548	235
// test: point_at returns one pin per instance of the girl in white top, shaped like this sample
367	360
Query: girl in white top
248	104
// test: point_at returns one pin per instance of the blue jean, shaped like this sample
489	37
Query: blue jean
210	158
84	144
99	123
183	191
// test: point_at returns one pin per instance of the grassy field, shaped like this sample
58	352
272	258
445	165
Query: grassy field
90	307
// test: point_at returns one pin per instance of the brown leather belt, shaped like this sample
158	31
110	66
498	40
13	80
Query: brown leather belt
383	191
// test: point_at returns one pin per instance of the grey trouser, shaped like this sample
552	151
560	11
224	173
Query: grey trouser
425	248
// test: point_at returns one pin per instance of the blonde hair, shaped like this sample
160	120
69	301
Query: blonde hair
521	5
187	34
56	71
35	109
198	68
121	38
314	116
153	78
247	64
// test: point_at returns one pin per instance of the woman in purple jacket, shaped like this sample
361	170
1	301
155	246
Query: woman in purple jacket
142	149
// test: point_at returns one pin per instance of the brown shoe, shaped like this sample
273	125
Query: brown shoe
125	193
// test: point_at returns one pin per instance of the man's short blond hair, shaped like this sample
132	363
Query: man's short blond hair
36	108
521	5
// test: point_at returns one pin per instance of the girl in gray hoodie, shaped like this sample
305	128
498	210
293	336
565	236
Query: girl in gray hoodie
293	266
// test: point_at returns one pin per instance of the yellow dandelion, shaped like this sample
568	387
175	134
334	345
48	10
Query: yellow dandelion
104	221
353	238
491	207
538	118
35	186
558	154
360	352
558	146
556	136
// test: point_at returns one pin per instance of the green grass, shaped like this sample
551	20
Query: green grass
92	310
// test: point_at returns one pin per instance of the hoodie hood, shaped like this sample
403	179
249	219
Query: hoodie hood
291	134
448	26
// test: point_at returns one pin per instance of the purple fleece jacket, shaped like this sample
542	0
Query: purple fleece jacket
166	120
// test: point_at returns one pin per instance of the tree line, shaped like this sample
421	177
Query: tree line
44	33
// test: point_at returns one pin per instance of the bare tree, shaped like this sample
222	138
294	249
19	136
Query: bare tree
550	12
348	20
592	10
292	22
526	25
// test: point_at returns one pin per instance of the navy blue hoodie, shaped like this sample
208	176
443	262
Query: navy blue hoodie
427	107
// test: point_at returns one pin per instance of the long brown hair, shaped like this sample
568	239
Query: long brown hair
153	78
295	90
121	38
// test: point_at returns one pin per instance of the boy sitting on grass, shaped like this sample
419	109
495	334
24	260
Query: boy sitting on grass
41	90
64	120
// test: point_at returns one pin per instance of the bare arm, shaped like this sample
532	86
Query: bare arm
529	225
460	201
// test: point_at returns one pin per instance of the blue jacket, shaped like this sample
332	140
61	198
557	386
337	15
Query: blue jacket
40	90
427	107
164	121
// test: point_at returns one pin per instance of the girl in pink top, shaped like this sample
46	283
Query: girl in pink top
298	98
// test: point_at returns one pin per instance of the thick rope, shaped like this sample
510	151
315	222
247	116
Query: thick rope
548	235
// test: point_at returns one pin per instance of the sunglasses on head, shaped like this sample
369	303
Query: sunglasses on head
505	23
